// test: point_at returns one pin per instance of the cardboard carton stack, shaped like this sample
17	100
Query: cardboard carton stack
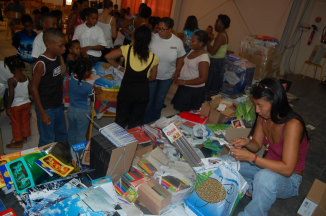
263	53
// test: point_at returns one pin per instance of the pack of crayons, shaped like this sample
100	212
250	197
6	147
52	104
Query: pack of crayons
121	187
174	184
134	178
131	195
147	166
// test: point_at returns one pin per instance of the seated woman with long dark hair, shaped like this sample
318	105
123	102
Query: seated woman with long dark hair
140	69
278	172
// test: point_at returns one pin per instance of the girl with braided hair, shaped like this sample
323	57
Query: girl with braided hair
19	104
81	94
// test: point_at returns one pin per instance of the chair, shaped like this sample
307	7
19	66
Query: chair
109	95
309	63
9	15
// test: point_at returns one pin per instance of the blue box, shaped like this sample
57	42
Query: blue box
236	78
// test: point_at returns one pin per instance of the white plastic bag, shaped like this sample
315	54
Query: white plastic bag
217	195
179	196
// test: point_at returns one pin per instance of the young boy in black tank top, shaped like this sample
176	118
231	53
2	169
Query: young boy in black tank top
46	89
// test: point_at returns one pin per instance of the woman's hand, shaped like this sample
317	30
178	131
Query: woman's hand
176	75
242	154
85	49
238	143
180	82
8	111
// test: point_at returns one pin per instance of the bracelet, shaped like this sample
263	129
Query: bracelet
253	162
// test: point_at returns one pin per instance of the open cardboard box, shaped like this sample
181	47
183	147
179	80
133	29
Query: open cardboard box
154	197
231	134
315	202
156	157
215	116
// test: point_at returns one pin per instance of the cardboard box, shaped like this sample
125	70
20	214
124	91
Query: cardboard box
315	202
237	77
154	197
265	67
215	116
141	150
119	166
231	134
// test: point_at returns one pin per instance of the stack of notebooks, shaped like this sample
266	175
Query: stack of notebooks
100	155
147	166
140	136
117	135
153	133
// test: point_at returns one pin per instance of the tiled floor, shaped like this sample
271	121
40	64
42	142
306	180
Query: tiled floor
311	107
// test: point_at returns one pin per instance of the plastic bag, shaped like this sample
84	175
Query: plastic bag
218	194
173	177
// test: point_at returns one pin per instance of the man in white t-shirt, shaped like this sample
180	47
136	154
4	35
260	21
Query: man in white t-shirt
170	52
48	21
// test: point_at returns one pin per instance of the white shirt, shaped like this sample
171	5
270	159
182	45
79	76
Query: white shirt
38	46
107	29
5	74
21	94
93	36
167	51
190	69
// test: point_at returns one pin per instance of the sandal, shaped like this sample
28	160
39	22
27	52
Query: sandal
14	145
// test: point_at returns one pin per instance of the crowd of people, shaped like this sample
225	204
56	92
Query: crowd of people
154	58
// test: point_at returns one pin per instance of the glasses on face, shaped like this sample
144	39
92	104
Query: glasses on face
162	29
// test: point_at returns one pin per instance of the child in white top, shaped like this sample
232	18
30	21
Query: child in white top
19	104
90	36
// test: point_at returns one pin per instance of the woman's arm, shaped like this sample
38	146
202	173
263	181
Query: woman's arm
178	66
256	143
11	84
219	40
114	27
183	38
125	24
71	23
290	153
153	75
111	56
203	74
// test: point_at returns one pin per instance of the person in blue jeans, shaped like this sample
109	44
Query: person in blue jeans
170	52
46	89
277	173
81	94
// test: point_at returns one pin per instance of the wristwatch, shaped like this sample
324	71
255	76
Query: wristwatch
254	160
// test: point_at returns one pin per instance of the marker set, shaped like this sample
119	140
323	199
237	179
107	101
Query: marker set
147	166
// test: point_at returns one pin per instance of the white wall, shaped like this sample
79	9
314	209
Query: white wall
302	51
263	17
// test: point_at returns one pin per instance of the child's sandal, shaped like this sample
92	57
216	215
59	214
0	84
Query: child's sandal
14	145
